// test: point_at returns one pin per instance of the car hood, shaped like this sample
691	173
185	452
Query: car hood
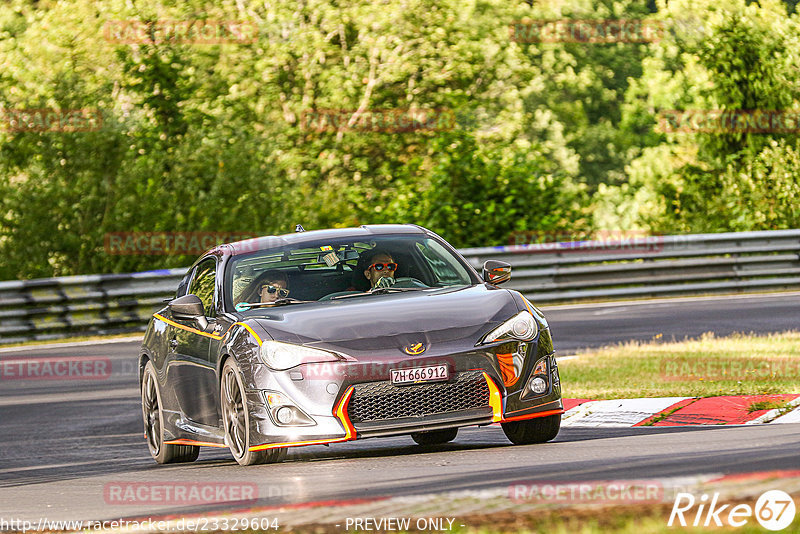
446	320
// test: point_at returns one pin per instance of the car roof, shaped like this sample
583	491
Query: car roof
364	231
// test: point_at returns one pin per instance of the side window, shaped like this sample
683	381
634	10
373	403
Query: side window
184	283
444	267
203	284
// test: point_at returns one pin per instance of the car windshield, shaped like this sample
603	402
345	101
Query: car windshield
333	269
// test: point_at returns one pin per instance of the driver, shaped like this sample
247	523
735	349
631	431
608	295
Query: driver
380	269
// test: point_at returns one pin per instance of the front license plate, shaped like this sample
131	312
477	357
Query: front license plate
419	374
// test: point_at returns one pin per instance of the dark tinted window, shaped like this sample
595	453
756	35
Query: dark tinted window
183	285
319	270
203	283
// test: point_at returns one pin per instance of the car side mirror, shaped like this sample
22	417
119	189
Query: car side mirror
189	308
496	272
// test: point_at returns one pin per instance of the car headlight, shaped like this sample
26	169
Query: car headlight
521	327
282	356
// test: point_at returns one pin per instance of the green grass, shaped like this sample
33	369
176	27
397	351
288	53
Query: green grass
709	366
629	519
661	416
617	520
766	405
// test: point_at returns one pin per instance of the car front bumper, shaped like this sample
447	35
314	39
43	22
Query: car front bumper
355	400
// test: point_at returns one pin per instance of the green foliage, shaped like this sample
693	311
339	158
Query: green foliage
548	136
209	138
583	86
477	197
741	56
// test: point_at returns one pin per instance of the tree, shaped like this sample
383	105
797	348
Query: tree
199	137
743	57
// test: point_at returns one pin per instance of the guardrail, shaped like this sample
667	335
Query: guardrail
655	266
53	308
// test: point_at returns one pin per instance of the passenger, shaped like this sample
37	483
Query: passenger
271	285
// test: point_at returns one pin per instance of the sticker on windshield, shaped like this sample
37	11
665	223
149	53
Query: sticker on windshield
331	259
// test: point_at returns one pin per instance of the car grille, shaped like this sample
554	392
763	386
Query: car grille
377	401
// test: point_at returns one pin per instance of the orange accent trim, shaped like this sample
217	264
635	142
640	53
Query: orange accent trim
528	305
258	339
206	334
340	411
506	361
193	442
533	415
496	402
495	399
188	328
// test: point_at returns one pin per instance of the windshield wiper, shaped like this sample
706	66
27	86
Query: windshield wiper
378	291
348	296
382	290
279	302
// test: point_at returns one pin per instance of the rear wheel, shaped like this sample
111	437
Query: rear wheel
236	420
154	424
435	437
530	431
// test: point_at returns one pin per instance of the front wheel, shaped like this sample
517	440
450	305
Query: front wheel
236	420
435	437
537	430
154	424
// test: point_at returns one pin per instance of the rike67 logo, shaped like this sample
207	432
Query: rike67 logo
774	510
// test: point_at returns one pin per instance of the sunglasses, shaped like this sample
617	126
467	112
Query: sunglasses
273	289
381	266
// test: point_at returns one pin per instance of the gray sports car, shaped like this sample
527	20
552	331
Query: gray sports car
334	335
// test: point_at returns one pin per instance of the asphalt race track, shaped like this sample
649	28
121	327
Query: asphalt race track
64	443
585	326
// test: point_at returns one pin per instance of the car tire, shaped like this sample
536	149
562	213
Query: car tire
236	420
537	430
435	437
153	418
